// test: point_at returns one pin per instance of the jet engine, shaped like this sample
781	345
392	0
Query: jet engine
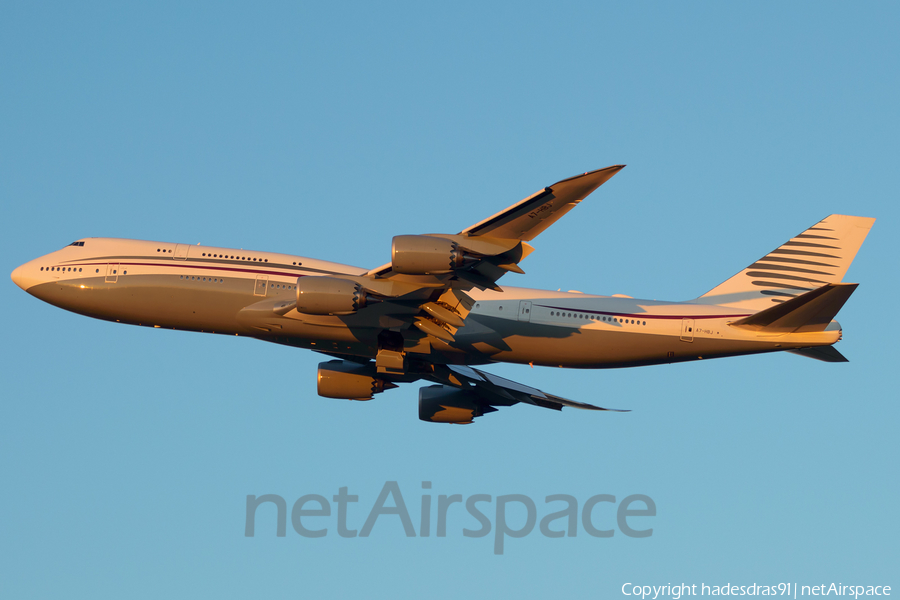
424	254
349	381
329	296
444	404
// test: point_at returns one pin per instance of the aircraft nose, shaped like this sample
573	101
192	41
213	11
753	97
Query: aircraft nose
25	276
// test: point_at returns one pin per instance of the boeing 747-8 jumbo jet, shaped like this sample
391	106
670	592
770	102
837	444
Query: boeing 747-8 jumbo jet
437	308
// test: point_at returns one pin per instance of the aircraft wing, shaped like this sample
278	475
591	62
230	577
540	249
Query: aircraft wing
424	286
528	218
435	302
491	390
497	244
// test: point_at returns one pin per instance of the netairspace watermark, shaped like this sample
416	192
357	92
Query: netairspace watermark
309	510
788	590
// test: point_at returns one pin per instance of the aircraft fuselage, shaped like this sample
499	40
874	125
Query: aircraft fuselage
234	292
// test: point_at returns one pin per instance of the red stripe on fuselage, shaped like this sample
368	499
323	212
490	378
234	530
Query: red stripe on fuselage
642	315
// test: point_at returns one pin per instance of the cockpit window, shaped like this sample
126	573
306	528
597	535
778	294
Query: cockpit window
77	244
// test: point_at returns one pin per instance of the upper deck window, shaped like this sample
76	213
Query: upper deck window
77	244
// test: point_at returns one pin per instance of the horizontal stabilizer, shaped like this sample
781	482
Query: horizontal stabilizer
812	311
823	353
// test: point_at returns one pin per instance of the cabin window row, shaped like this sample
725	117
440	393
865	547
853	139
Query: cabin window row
597	318
280	286
208	255
230	257
78	270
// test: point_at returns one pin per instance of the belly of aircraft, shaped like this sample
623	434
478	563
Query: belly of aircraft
153	301
202	305
548	345
216	306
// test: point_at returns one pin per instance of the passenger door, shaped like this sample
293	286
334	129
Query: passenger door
262	283
687	330
112	272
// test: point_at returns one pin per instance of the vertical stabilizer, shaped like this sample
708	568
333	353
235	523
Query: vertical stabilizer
818	256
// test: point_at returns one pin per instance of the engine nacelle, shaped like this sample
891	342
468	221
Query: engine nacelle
349	381
329	296
444	404
424	255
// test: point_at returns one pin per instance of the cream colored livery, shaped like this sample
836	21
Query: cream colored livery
436	308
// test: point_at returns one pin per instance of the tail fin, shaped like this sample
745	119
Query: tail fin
818	256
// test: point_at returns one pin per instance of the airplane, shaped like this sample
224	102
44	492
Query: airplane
436	310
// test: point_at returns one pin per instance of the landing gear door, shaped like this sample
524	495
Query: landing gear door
112	272
687	330
262	283
525	310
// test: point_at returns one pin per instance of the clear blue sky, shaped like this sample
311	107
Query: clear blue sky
126	454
